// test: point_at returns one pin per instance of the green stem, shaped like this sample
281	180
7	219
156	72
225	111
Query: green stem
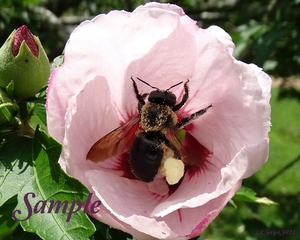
23	110
26	130
286	167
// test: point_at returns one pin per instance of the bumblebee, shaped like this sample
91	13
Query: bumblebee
151	136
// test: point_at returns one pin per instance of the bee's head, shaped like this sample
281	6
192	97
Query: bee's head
162	97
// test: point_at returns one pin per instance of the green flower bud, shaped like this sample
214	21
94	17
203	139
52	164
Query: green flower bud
23	61
6	104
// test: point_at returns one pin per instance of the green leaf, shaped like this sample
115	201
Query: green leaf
7	224
29	169
58	61
15	166
248	195
232	203
40	112
39	116
5	114
106	232
102	230
10	89
20	234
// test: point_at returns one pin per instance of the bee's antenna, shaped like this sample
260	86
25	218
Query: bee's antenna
156	87
174	86
147	83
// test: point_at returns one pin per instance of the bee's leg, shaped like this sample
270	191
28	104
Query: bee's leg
172	147
140	105
184	98
186	120
138	96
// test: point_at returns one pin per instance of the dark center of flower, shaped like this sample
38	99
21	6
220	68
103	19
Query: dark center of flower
194	161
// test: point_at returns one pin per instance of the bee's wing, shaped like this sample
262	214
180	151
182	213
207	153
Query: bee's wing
175	137
115	142
192	152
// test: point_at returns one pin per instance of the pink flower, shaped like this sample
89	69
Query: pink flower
91	94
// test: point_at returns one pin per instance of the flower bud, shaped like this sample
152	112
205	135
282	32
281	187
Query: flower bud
5	102
24	61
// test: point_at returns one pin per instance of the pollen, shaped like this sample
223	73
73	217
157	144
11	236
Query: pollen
155	117
174	170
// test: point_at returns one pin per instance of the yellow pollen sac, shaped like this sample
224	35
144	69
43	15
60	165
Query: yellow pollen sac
174	170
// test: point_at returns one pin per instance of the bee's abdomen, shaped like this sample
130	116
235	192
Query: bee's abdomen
146	153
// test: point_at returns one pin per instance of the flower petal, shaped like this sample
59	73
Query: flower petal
187	221
206	185
87	119
132	51
136	213
224	37
239	107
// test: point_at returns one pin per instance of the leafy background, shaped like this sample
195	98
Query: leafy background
266	33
